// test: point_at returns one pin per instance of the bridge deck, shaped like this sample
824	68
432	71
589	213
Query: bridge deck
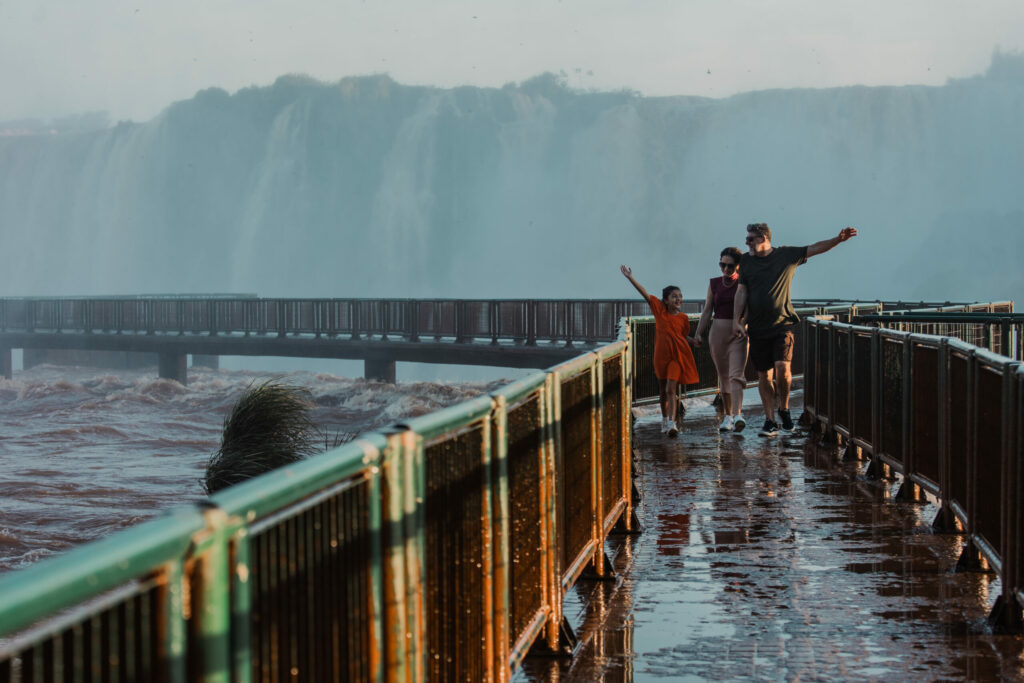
772	559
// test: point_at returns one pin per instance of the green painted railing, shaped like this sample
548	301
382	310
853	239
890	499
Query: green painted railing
440	549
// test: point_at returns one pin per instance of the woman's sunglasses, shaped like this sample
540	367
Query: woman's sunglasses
723	266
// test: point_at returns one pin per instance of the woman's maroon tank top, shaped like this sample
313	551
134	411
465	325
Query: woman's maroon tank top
722	298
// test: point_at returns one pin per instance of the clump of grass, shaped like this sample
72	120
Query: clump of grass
269	427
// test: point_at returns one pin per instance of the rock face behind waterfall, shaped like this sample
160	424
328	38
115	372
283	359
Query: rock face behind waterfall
366	187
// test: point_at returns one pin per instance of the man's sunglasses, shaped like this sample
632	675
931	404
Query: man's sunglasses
723	266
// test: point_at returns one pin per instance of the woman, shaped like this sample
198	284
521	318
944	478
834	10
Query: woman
729	354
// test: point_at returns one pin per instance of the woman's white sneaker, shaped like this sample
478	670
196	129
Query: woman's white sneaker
727	425
672	430
738	423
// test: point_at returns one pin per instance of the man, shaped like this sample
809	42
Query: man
763	303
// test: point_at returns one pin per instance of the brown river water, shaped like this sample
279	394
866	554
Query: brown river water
85	452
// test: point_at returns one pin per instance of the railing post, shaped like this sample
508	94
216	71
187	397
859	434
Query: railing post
397	627
531	322
805	417
354	310
559	638
492	309
281	324
600	566
851	394
970	558
831	435
501	555
240	572
566	307
945	520
908	489
211	314
413	308
875	468
414	507
1007	615
213	608
460	323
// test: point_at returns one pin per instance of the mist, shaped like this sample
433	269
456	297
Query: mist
366	187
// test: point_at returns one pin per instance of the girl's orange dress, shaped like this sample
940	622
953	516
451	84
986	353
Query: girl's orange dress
673	358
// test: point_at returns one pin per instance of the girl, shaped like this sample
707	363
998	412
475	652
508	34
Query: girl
728	352
673	359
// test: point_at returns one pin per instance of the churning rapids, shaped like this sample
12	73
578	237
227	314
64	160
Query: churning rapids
85	452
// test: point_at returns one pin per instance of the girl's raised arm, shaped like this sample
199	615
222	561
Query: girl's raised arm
628	272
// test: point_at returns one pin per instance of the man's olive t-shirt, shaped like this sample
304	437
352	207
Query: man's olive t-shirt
767	279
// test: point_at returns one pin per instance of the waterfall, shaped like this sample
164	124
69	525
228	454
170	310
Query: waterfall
366	187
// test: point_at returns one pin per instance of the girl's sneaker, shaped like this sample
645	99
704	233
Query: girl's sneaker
738	423
727	424
664	424
672	431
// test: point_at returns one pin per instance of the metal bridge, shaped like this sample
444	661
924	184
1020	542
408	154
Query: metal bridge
518	333
447	547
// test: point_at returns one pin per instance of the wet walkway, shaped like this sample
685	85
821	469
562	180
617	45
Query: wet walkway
772	559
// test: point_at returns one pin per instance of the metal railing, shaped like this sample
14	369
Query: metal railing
645	384
948	416
520	321
441	549
990	326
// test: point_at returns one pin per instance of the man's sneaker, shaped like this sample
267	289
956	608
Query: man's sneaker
672	431
770	429
787	421
738	423
726	425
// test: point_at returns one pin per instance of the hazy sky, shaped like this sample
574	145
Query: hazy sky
131	59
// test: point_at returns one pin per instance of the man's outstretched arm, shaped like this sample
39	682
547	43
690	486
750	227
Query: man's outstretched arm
824	245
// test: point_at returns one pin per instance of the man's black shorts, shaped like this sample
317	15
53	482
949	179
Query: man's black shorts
766	351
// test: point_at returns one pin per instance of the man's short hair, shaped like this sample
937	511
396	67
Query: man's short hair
761	229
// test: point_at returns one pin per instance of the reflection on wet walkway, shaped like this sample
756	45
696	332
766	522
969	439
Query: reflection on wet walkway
771	559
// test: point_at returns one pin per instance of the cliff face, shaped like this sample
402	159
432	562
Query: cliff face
370	188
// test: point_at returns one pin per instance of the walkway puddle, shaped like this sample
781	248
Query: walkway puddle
772	559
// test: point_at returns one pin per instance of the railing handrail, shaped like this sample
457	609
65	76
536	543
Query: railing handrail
915	316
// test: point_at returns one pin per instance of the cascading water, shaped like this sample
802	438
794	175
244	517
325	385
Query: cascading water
369	188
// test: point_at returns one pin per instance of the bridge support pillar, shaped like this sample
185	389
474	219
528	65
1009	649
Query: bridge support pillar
6	364
201	360
380	370
174	366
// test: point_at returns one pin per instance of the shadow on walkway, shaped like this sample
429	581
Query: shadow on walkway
772	559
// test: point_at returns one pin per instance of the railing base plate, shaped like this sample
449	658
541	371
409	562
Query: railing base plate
568	643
